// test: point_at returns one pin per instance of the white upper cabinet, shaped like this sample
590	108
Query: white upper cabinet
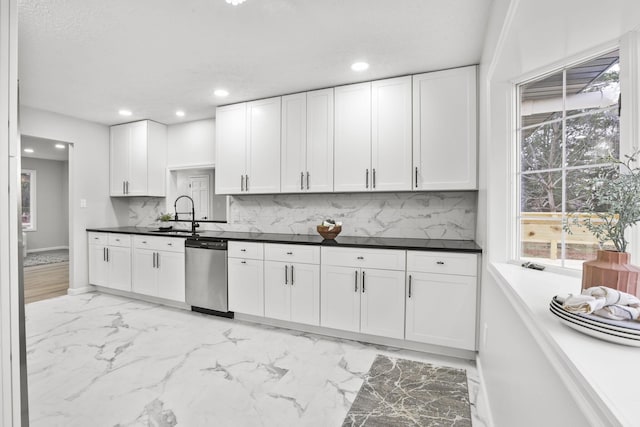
248	147
138	159
391	134
373	136
445	130
231	148
352	159
263	133
307	142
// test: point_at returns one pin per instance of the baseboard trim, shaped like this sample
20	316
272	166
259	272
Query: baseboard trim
147	298
371	339
82	290
486	410
52	248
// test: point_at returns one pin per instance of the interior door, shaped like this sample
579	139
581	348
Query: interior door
199	192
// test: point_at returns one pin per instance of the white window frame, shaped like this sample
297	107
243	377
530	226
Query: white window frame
629	48
32	226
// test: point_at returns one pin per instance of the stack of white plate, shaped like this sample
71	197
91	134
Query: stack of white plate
626	332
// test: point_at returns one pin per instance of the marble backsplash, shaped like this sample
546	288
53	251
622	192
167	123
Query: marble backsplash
434	215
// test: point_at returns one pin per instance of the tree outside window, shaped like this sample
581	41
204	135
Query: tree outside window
28	186
569	126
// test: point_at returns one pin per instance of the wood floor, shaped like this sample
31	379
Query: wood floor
45	281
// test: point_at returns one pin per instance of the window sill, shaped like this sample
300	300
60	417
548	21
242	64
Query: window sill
601	376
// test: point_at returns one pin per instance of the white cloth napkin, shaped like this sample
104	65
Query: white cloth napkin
605	302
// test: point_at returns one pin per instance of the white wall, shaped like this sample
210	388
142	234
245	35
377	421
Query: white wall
89	163
52	205
524	38
191	143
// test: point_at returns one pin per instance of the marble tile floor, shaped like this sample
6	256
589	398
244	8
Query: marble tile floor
101	360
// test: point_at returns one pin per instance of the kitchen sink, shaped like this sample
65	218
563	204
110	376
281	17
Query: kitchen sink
172	231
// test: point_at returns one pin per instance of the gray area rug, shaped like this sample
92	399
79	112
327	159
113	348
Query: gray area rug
398	392
48	257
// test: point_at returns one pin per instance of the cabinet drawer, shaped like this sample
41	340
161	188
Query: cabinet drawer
384	259
248	250
98	239
305	254
123	240
441	262
169	244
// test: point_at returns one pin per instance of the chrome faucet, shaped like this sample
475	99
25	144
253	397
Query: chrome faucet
194	224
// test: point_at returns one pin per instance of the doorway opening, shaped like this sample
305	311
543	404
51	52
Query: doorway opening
45	217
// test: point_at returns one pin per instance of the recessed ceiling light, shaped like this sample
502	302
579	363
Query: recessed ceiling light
180	113
235	2
60	146
28	150
125	112
221	93
359	66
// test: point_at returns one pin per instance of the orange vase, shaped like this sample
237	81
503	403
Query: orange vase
612	269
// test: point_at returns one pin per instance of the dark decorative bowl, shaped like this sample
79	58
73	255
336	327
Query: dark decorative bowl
329	235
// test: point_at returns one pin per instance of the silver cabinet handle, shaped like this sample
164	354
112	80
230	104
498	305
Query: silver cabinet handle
107	254
243	262
360	257
416	177
292	275
243	250
157	260
409	286
124	191
289	253
374	178
169	244
104	254
144	242
286	274
127	187
308	180
246	183
440	262
355	281
302	180
241	182
117	240
153	259
363	282
366	179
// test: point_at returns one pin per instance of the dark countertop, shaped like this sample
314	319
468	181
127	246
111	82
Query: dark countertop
468	246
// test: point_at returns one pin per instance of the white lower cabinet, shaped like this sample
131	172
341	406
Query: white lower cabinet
159	267
110	260
359	298
442	299
292	283
246	277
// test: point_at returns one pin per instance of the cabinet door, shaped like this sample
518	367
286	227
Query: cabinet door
171	271
305	293
137	182
352	165
119	268
246	286
340	293
319	173
445	130
144	272
277	290
441	309
263	161
382	303
98	271
294	142
119	159
231	148
391	134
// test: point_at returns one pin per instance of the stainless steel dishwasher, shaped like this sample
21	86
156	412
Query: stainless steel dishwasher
206	276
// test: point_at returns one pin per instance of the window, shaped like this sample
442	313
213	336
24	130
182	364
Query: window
28	184
568	127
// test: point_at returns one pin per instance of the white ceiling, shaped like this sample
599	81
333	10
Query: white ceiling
89	58
44	148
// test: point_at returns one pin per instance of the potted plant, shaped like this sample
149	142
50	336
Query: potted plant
163	218
614	207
